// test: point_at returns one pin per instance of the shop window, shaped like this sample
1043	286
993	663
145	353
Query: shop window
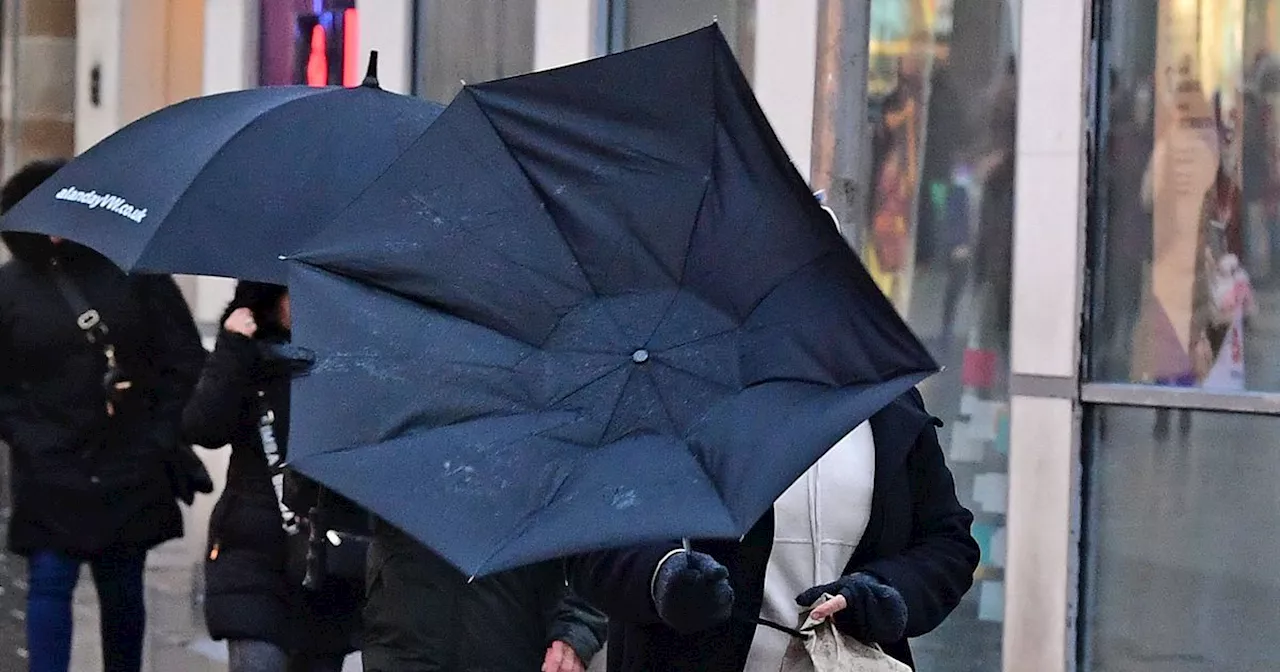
1186	237
923	188
1181	535
473	41
634	23
312	42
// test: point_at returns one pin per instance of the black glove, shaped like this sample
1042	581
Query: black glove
876	614
691	592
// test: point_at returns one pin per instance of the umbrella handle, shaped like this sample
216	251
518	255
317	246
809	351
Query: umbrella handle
684	543
317	545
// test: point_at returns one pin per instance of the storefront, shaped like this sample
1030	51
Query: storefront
1182	513
1107	326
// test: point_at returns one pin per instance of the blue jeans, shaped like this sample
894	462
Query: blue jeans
53	577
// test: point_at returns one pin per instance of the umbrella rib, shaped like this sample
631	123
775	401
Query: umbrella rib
661	399
700	339
587	384
622	389
706	190
542	195
697	219
695	375
786	278
217	153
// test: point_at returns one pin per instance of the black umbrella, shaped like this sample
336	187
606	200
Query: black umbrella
224	184
590	307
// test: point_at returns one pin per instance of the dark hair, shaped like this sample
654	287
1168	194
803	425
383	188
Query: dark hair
264	300
27	246
26	180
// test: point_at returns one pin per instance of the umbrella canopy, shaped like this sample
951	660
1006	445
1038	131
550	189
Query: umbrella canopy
225	184
590	307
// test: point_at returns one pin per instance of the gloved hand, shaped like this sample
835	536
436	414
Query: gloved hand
691	591
874	613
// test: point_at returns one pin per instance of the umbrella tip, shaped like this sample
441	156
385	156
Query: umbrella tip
371	75
282	257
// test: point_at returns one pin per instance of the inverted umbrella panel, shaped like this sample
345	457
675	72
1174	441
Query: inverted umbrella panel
589	307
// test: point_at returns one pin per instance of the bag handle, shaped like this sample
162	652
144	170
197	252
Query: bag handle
760	620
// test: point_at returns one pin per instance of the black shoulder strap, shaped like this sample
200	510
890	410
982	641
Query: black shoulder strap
88	319
95	331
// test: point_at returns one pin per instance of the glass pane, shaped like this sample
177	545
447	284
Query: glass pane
639	22
1182	534
923	186
1188	240
473	41
302	42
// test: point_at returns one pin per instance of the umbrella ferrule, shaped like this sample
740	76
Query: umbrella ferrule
371	75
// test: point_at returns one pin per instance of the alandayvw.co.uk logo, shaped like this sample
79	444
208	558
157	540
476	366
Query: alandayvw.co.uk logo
111	202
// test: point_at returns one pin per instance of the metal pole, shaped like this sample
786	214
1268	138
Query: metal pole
841	133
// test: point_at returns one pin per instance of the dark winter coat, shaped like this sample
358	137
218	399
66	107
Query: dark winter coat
423	615
917	541
84	481
250	592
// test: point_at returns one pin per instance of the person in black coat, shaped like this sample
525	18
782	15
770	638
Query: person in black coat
423	615
913	560
254	593
90	482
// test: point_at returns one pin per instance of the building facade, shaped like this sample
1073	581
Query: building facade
1076	204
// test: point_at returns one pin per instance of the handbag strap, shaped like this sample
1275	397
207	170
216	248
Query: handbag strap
275	462
91	325
87	319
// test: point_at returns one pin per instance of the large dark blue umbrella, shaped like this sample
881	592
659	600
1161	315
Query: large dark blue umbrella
589	307
224	184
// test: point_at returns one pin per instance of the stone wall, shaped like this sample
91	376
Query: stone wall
38	90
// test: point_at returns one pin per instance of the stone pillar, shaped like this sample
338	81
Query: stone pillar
133	57
38	94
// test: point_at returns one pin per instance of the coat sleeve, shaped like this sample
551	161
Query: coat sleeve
218	404
619	582
174	352
936	570
574	622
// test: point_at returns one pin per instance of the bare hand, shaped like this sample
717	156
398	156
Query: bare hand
241	321
562	658
829	608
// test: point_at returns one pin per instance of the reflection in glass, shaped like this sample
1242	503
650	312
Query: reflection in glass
635	23
1190	201
923	186
1181	539
473	41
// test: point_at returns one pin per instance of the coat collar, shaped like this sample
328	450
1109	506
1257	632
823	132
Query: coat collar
897	427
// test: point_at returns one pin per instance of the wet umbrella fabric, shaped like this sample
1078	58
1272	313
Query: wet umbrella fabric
590	307
225	184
